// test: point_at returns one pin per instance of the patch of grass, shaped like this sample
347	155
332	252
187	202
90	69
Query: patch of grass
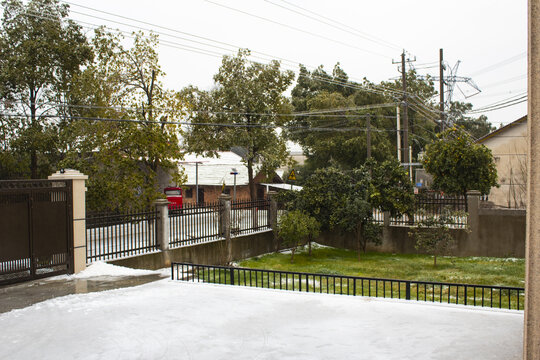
468	270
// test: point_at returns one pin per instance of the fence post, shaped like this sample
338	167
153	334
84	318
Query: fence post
163	230
473	204
225	223
79	215
408	290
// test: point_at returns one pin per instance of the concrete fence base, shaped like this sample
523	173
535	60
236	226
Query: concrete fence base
242	247
499	233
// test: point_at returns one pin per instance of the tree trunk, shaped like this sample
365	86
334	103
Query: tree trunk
434	260
359	240
252	188
33	125
309	244
292	256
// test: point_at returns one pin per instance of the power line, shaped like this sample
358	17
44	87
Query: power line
214	54
372	88
520	97
501	63
187	123
509	80
329	23
295	28
321	113
500	107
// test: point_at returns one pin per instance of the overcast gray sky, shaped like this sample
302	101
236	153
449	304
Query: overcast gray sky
489	37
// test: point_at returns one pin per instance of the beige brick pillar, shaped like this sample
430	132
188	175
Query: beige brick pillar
273	216
473	219
531	341
272	211
163	229
225	224
79	215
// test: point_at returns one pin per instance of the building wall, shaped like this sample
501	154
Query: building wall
211	193
509	149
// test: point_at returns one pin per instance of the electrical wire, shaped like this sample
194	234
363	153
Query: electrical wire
329	23
264	56
501	63
295	28
188	123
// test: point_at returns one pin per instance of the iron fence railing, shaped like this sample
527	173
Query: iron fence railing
193	224
429	205
112	236
249	216
463	294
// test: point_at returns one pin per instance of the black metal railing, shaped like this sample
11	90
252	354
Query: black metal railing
193	224
463	294
249	216
112	236
429	205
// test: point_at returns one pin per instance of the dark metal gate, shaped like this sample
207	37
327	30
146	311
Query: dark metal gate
36	235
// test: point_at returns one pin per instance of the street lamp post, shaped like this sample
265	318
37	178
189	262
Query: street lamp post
234	172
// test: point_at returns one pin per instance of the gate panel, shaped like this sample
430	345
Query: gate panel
36	237
50	231
14	236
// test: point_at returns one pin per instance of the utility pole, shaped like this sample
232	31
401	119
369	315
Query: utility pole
405	147
368	135
405	110
441	88
398	134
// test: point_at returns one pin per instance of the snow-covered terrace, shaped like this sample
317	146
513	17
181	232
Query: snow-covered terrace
177	320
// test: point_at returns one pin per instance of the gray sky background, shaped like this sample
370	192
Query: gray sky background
489	37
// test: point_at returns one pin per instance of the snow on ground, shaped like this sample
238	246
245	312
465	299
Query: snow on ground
103	269
177	320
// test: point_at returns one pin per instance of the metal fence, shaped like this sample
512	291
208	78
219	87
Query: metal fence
112	236
463	294
428	205
249	216
193	224
36	229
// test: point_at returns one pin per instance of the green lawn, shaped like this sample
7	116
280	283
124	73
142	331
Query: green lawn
468	270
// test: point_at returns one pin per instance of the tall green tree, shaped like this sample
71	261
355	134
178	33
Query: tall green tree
41	51
458	164
124	159
336	132
477	127
244	109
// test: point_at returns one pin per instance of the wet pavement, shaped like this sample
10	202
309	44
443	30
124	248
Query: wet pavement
21	295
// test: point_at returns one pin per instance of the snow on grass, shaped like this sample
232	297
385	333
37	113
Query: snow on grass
177	320
305	248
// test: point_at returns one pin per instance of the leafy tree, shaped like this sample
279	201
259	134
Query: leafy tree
353	217
323	193
458	164
243	108
41	51
477	127
344	143
124	159
390	188
296	227
432	233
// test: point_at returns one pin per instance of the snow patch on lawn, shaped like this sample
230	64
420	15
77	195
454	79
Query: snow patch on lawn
305	248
